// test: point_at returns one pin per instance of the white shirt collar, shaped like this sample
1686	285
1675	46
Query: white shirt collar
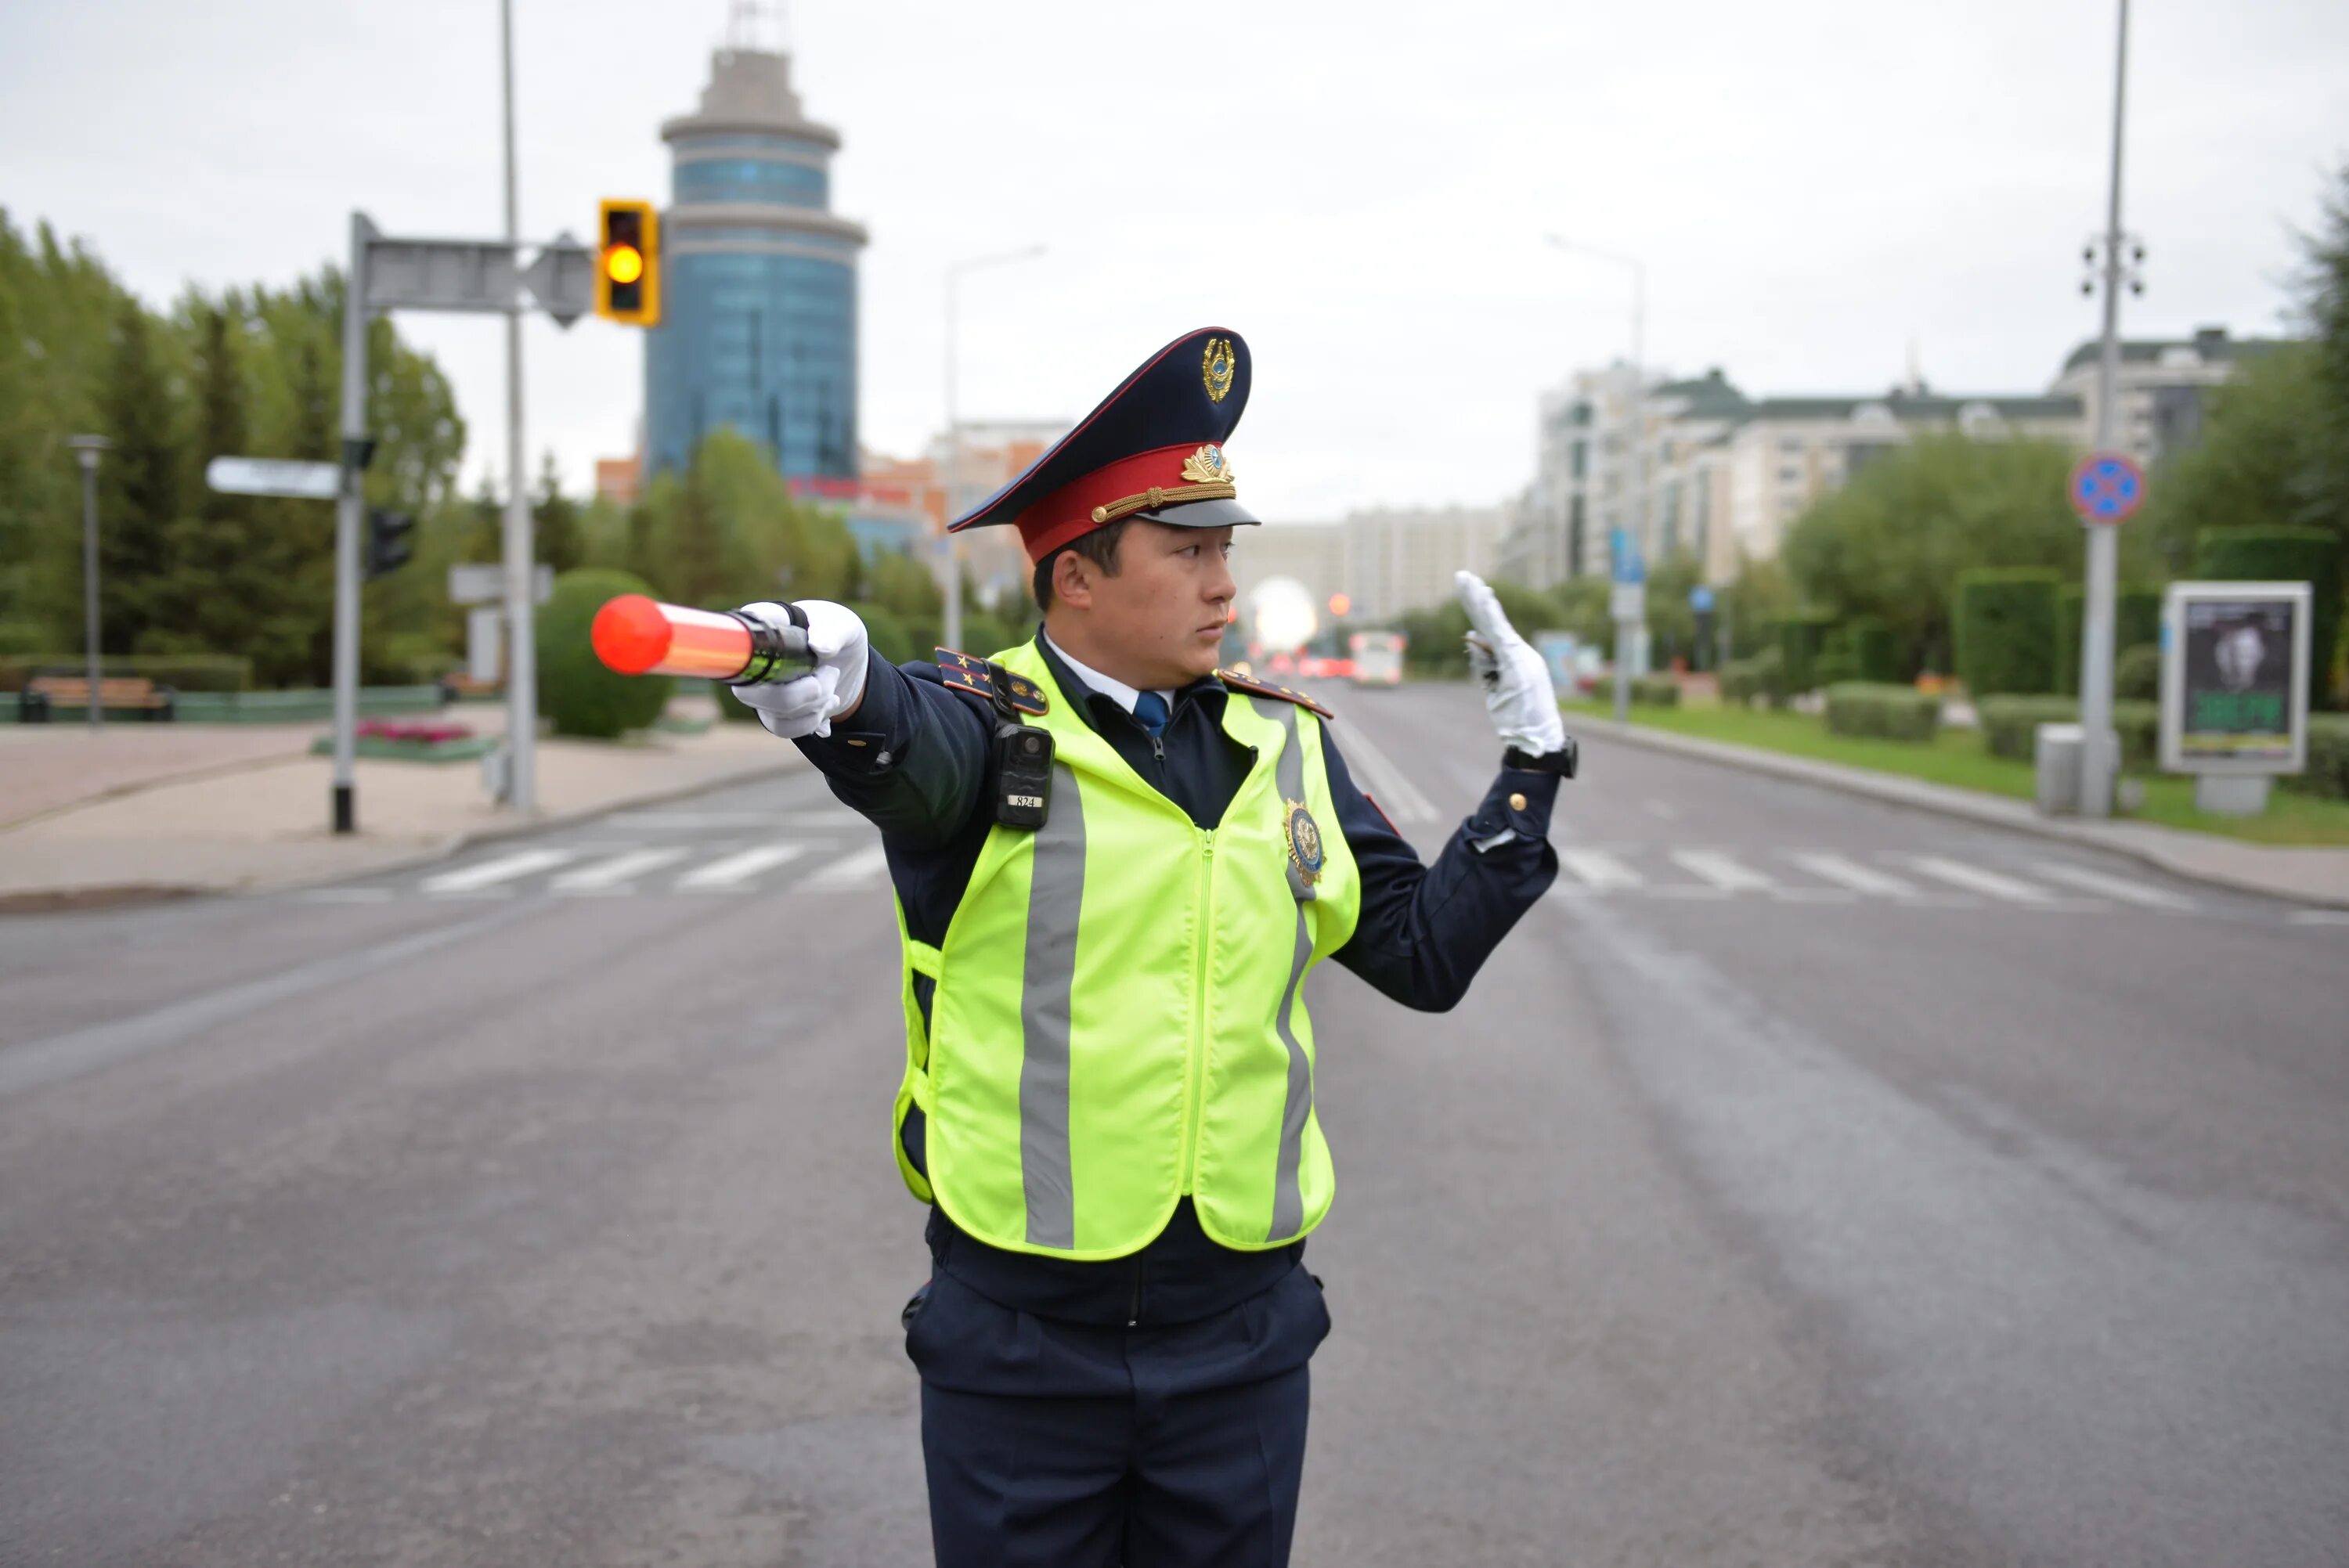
1116	690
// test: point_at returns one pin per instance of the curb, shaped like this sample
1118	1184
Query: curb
1990	810
119	895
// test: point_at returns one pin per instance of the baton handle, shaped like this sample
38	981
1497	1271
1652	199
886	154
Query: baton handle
636	635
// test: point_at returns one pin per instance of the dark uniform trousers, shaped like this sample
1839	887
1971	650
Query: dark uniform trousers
1148	1411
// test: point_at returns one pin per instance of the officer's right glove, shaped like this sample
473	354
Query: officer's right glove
1517	690
804	704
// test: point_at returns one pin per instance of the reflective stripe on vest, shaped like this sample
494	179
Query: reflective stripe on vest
1119	1017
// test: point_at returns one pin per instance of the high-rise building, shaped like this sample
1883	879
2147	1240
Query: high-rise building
758	326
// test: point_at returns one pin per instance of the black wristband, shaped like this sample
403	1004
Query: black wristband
1560	762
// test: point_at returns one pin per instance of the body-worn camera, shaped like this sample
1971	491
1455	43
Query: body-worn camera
1023	773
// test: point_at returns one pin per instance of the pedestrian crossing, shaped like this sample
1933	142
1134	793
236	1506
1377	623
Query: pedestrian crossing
1889	878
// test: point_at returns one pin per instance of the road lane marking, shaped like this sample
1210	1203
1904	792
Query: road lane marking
39	1063
609	876
346	895
1846	873
1724	872
2121	888
730	873
505	868
1974	879
858	868
1598	870
1395	791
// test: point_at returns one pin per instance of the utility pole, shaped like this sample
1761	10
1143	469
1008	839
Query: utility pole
86	450
952	632
348	504
521	657
2098	761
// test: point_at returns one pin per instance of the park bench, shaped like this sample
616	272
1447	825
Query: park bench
44	693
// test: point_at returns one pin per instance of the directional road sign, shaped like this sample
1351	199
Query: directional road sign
562	279
2106	487
485	584
269	475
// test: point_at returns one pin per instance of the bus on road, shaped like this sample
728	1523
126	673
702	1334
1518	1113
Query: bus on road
1378	657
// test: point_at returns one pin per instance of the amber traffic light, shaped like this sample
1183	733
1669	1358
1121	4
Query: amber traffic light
627	262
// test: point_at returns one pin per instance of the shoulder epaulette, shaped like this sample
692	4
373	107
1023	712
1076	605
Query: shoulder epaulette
1266	688
968	672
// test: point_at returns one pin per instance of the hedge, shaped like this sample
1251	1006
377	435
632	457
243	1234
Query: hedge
2328	759
2137	624
1655	691
180	671
574	689
1799	638
2137	673
1883	712
2284	555
2005	622
2009	727
1763	676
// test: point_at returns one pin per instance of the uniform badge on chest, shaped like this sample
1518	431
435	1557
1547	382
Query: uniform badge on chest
1304	835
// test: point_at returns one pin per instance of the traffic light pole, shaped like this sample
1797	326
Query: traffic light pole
521	657
349	506
2099	748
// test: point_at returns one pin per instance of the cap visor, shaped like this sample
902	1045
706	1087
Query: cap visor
1201	514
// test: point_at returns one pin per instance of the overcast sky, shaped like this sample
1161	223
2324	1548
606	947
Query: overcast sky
1360	190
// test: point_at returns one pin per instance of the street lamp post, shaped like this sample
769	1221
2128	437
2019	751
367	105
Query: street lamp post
1636	503
2097	748
86	449
955	274
522	656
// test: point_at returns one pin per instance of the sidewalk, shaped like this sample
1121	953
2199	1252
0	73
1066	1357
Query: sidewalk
251	811
2308	875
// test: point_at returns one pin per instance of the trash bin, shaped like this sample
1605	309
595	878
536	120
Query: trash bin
2056	750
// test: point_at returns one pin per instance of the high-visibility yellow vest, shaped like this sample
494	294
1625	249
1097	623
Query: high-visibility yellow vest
1119	1017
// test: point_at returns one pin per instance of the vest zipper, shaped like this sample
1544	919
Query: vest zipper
1191	1087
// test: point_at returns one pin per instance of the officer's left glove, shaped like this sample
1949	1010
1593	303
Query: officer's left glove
1517	690
805	705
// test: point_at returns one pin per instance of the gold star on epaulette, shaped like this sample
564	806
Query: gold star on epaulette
1266	688
977	677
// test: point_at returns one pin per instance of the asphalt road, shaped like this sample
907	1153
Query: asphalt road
1807	1181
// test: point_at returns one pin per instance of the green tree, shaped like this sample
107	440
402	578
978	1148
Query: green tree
554	523
1672	624
141	485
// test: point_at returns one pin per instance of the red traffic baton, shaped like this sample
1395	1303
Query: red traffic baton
636	635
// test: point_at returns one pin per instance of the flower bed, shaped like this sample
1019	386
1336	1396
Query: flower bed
411	740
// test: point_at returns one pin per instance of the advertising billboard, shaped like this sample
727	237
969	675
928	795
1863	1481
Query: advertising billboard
2234	677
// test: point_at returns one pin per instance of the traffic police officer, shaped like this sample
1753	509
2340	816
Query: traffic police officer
1114	867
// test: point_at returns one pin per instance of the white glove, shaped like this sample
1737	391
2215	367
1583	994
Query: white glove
805	705
1517	690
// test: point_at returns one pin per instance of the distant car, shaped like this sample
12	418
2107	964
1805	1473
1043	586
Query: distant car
1378	658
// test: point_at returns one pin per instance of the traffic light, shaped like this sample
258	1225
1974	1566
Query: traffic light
388	547
627	262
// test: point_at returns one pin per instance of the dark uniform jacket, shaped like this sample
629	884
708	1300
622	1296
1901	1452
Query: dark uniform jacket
914	760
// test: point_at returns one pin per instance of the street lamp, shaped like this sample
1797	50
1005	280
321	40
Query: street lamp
86	448
1637	501
2098	760
956	272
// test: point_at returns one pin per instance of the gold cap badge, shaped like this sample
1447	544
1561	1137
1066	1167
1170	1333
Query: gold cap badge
1215	368
1207	466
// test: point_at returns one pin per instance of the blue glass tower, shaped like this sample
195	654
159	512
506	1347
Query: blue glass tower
759	281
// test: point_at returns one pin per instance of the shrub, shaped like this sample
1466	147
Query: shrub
2328	759
1799	638
1882	712
890	636
2137	673
2284	555
2005	624
1655	691
2010	726
574	689
1872	650
730	706
1760	677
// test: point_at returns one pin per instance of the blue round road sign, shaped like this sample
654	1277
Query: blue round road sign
2106	487
1700	599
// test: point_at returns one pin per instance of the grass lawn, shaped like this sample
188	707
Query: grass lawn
1958	758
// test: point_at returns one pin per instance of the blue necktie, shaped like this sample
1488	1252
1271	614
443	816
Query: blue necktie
1151	710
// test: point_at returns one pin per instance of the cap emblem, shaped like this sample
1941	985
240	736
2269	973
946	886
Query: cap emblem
1215	368
1207	466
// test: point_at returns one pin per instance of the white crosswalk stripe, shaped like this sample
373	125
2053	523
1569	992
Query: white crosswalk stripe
1378	778
1724	872
1974	879
1598	870
733	873
505	869
859	868
1846	873
2142	895
615	874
